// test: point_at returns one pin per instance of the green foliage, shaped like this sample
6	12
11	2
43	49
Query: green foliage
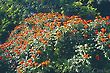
12	13
102	7
72	7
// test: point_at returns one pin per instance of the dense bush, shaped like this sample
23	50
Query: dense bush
54	43
12	12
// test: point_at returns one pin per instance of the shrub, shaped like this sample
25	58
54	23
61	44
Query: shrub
54	43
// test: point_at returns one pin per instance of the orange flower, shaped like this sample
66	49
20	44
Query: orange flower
39	52
100	17
58	34
85	26
39	34
26	64
17	51
33	56
47	24
47	35
107	17
29	60
24	47
18	47
45	42
41	39
103	30
85	22
21	62
104	19
19	70
86	56
1	46
76	22
101	34
6	44
35	35
65	24
31	64
31	50
58	24
89	21
45	63
107	23
35	63
103	39
74	30
108	36
51	27
25	42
